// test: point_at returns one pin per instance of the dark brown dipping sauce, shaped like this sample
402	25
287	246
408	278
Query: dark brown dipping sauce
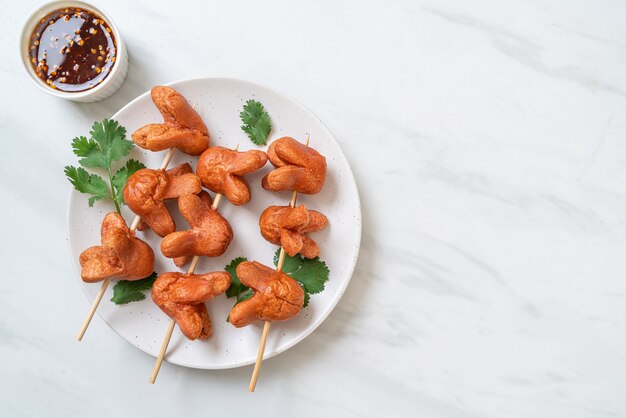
72	49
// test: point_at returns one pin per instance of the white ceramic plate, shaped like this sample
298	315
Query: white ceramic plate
219	102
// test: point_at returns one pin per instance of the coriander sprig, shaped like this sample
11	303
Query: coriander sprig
311	273
106	145
236	288
256	122
126	291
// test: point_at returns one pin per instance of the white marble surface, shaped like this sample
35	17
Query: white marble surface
489	144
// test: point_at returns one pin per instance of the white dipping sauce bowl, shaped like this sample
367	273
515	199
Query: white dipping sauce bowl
110	84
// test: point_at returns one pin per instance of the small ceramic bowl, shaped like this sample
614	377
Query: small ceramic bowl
111	82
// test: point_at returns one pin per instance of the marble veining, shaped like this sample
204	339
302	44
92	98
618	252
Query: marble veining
488	143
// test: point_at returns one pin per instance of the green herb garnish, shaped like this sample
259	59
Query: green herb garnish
312	273
126	291
236	289
257	123
106	145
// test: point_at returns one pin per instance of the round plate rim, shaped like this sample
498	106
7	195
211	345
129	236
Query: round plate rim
340	290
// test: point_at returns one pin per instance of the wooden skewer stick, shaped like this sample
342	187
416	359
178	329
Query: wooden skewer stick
267	324
105	284
172	324
170	330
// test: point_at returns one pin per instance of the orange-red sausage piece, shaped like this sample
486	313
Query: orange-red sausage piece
121	255
146	190
182	128
298	167
287	227
222	170
277	297
182	298
210	233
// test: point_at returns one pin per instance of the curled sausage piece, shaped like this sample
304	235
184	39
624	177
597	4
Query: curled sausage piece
176	110
146	190
210	233
159	137
182	260
287	226
222	170
182	298
183	128
277	297
299	167
121	255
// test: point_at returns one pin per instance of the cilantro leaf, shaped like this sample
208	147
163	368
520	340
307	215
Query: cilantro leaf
119	179
111	137
87	183
94	199
126	291
291	264
107	144
311	273
236	287
90	151
257	123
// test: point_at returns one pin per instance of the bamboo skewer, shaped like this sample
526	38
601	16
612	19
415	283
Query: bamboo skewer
105	284
170	330
267	324
92	310
172	324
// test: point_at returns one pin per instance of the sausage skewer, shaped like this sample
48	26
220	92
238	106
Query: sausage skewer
172	324
106	282
267	324
172	106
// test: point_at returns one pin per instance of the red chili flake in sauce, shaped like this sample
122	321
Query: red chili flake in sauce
69	62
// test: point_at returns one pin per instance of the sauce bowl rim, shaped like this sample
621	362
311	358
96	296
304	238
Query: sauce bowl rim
29	25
